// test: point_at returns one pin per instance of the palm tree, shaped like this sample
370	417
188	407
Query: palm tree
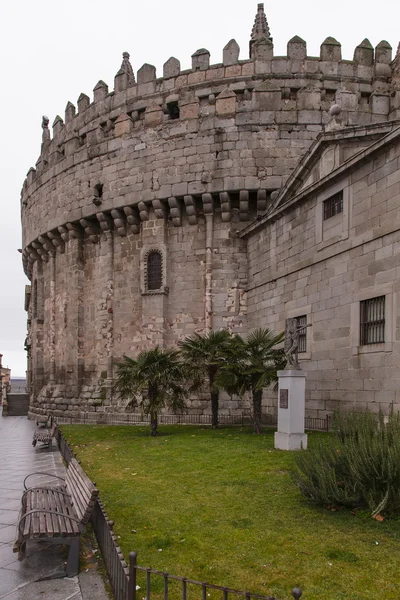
204	355
154	380
252	366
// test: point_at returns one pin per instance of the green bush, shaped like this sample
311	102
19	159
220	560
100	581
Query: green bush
357	467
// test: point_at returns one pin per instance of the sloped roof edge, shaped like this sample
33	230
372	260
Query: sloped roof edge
287	197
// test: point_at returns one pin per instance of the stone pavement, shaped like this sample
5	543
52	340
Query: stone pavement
34	576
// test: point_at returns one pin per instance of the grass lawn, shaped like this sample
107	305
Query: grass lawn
220	506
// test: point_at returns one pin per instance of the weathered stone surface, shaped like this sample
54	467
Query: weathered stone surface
226	103
300	264
364	53
172	68
331	50
180	164
231	53
297	48
146	74
200	60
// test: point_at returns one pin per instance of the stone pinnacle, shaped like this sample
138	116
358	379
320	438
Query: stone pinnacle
260	27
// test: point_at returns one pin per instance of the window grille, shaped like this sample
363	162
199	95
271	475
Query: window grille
154	271
372	321
302	322
333	205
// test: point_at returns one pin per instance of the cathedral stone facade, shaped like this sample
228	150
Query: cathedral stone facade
230	196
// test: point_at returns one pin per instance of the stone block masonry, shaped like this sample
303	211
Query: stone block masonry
175	166
299	268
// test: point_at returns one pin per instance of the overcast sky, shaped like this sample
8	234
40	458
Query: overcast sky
51	51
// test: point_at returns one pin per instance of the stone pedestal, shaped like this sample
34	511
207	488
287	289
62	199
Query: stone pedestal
291	409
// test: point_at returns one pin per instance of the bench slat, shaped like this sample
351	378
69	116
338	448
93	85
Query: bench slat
75	499
83	491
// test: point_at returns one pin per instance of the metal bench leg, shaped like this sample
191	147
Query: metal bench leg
73	557
22	551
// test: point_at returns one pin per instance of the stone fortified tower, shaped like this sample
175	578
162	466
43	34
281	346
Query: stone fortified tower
131	212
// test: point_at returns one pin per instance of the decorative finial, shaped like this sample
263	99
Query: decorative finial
335	110
126	67
46	131
336	121
260	28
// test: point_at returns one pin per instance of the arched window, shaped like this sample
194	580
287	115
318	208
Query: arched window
154	270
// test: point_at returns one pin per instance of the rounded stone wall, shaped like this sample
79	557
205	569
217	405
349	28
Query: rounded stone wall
131	213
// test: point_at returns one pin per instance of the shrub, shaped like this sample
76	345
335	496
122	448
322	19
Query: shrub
357	467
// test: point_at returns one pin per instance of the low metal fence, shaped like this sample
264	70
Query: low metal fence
112	418
184	584
117	569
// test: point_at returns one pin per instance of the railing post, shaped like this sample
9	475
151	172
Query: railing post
183	588
148	585
132	576
297	593
165	586
204	591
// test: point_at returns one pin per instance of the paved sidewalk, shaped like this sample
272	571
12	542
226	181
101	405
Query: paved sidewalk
32	578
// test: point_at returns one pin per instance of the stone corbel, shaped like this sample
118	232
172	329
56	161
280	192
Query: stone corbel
90	230
243	205
191	209
261	201
63	231
159	209
46	243
57	240
208	204
32	255
226	208
143	211
74	232
119	221
40	251
132	218
175	211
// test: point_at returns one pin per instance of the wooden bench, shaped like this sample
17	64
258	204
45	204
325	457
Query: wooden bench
44	421
57	515
45	436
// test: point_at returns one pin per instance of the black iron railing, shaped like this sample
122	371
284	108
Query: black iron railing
185	583
113	558
111	418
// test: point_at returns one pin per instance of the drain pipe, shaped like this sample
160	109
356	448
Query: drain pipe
208	206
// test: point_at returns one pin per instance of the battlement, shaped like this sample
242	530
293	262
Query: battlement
198	131
282	88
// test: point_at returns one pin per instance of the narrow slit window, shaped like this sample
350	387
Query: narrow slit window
333	205
302	325
154	271
372	321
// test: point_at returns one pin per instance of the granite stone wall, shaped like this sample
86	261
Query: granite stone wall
176	164
296	269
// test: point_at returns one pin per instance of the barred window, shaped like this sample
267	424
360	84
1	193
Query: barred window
333	205
372	321
302	322
154	271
